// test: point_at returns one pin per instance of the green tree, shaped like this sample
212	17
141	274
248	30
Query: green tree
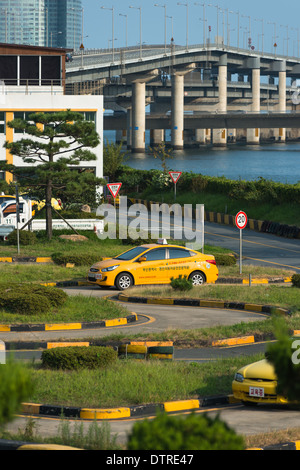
285	357
113	158
15	387
194	432
57	141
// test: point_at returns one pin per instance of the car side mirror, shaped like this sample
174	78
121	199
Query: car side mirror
142	258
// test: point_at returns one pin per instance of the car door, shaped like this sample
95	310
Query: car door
152	268
180	262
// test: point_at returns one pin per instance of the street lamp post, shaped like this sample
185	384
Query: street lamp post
187	23
238	27
275	37
287	39
165	7
55	32
141	44
113	32
218	8
126	32
204	22
172	29
249	38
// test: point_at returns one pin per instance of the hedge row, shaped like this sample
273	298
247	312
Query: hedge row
78	357
260	190
28	300
77	259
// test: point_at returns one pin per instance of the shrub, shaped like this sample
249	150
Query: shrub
30	299
15	387
296	280
196	432
78	357
56	297
78	260
23	303
224	260
25	236
181	283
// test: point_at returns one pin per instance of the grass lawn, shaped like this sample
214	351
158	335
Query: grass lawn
77	308
43	247
135	382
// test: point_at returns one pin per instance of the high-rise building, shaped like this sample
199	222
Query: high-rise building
48	23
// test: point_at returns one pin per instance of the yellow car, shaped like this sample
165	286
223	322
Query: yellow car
257	383
153	264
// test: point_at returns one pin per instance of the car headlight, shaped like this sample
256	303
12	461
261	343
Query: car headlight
239	377
110	268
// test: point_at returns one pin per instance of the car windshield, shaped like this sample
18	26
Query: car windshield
130	254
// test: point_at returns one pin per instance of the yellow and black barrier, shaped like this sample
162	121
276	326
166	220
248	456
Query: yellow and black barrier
147	350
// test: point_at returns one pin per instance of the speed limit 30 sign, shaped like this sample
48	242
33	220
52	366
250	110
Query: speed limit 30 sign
241	220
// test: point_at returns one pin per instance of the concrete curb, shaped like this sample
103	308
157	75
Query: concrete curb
69	326
26	259
125	412
265	309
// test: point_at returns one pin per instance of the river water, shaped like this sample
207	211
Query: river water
277	162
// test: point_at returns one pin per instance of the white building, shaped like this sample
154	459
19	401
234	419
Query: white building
32	80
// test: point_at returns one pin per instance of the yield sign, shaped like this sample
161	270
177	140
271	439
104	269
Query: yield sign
175	175
114	188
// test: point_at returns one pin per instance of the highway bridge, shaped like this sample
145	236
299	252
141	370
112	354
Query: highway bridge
221	87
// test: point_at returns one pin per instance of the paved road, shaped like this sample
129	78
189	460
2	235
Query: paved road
244	420
263	249
155	318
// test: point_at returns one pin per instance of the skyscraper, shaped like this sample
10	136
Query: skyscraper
50	23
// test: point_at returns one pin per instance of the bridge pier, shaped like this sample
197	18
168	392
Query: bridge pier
220	135
253	135
282	98
177	106
138	117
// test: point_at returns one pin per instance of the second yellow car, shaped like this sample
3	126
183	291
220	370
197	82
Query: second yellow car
257	383
154	264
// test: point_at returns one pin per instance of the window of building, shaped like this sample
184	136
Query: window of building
8	69
29	70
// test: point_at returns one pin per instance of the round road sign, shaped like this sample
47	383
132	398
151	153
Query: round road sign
241	220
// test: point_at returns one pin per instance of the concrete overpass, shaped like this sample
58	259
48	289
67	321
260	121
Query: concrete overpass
133	78
212	121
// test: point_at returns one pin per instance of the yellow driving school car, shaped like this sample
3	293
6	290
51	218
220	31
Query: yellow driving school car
154	264
257	383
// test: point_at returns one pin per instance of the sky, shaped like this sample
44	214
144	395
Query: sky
261	17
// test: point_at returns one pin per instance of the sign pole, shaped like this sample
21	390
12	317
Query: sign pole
241	221
175	175
241	236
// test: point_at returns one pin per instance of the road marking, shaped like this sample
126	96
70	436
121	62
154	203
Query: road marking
254	243
272	262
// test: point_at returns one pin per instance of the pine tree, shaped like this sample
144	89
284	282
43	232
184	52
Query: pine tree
54	143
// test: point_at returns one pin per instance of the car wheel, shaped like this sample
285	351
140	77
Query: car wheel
197	278
124	281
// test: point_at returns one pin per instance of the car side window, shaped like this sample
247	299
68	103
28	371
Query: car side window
155	255
178	253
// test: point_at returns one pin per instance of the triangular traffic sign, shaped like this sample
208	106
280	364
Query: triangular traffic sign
114	188
175	175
